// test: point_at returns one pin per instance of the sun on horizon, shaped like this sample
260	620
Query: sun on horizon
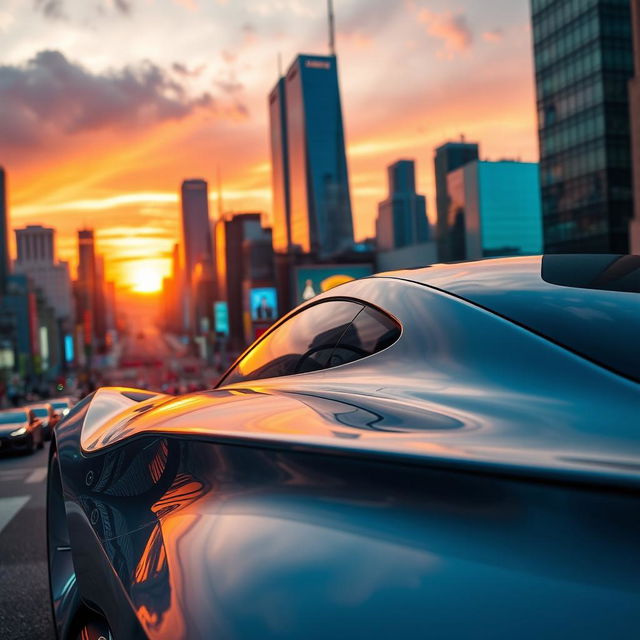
145	277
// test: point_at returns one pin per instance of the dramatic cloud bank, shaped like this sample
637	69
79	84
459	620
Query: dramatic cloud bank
50	95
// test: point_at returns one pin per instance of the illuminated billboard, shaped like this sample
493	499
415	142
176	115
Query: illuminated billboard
263	302
221	317
312	280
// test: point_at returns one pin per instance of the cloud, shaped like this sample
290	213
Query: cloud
495	35
123	6
183	70
449	27
51	9
56	9
51	96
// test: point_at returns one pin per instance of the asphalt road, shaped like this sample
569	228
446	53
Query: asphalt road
24	588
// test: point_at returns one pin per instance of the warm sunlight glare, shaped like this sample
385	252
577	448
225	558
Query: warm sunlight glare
146	278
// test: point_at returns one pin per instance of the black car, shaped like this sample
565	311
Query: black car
20	431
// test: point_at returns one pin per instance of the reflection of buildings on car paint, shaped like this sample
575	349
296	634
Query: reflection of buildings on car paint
583	63
494	210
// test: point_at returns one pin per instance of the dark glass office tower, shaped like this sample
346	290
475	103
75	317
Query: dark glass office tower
196	231
279	167
4	233
402	217
320	204
448	157
634	104
583	61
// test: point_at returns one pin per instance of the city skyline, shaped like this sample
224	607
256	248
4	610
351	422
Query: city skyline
118	172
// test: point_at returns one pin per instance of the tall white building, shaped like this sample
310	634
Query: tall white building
37	260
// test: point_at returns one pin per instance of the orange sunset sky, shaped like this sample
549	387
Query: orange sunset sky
106	105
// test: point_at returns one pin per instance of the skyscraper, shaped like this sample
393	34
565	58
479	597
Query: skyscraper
634	104
402	217
231	232
583	62
4	233
86	285
309	160
196	232
494	210
448	157
279	168
37	259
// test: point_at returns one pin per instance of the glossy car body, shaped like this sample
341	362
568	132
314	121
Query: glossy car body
20	431
48	417
473	478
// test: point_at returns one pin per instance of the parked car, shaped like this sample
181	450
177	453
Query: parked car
63	405
448	452
48	417
20	431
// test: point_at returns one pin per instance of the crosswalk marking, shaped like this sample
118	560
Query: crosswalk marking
37	475
9	507
12	474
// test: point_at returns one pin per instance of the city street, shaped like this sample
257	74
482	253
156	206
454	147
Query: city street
24	590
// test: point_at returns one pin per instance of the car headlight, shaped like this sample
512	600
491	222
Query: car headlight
19	432
65	411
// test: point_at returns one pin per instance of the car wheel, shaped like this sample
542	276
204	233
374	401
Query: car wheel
65	599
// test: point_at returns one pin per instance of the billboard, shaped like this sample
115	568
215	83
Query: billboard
221	317
312	280
263	303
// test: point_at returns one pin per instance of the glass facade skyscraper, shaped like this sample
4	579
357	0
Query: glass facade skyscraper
312	174
494	210
448	157
402	217
279	168
634	103
4	233
196	231
583	61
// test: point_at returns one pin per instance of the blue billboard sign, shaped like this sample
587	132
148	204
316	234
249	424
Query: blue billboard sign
263	303
221	317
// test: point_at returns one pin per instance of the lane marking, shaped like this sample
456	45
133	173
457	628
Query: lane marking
9	507
37	475
12	473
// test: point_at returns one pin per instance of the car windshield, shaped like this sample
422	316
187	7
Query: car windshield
13	418
41	412
60	405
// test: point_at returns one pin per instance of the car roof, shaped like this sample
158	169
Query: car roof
588	303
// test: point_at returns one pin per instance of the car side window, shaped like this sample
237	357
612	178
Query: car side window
371	331
303	343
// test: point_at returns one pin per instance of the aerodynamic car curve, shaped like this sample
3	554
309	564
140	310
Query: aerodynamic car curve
449	452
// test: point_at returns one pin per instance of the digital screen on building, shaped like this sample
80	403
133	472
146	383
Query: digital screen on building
68	348
310	281
221	317
263	302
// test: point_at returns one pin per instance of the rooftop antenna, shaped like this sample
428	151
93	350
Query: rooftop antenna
219	194
332	29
